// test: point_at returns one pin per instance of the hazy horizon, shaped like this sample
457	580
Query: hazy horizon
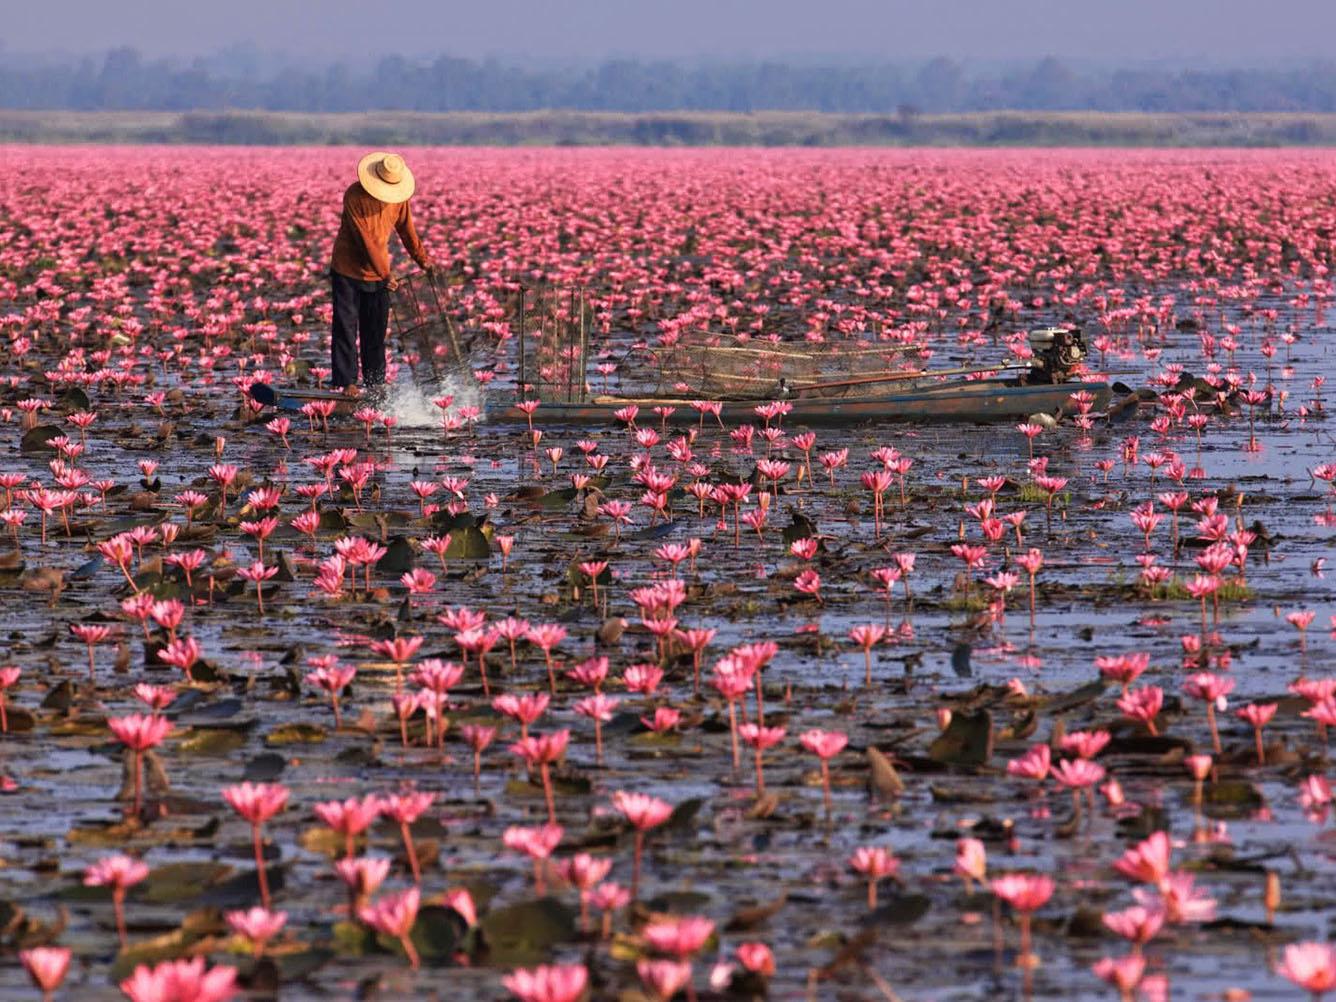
1209	32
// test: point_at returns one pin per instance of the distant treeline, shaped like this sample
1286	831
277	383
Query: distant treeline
683	128
123	80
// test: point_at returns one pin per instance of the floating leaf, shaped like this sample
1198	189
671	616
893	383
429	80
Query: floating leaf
882	776
556	500
468	543
332	521
750	918
444	521
524	933
265	767
1231	798
170	883
398	558
352	939
680	902
799	527
38	439
169	946
967	740
684	814
243	889
72	399
301	964
322	839
295	734
211	741
438	932
903	909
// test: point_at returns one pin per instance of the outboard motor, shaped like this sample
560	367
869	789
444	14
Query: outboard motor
1057	350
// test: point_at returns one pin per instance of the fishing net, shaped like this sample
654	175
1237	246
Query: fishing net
556	346
427	335
558	363
724	365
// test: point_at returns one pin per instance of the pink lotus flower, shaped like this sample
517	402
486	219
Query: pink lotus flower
349	817
971	860
139	732
1027	893
760	738
1123	668
47	966
643	812
548	983
404	809
1137	924
1124	973
1034	764
1311	966
181	981
395	916
257	803
461	901
875	863
362	875
1180	900
680	937
120	873
757	958
1078	773
1143	704
1084	744
1148	861
664	978
259	925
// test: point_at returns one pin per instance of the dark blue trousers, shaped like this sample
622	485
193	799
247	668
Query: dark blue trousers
361	316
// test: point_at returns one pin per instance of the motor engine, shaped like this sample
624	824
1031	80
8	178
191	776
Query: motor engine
1057	351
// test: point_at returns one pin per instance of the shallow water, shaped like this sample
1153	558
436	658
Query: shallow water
932	942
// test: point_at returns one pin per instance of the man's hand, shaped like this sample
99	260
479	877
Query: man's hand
392	283
429	269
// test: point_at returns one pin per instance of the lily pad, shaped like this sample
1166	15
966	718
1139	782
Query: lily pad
882	777
398	558
523	933
556	500
438	933
468	544
38	440
265	767
211	741
352	939
295	734
1231	798
903	909
171	883
967	740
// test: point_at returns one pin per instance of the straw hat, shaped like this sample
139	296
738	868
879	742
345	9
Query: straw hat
385	176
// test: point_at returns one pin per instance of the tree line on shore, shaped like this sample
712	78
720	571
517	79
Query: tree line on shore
122	79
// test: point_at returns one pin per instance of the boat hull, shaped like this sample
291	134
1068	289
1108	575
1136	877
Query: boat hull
979	402
975	403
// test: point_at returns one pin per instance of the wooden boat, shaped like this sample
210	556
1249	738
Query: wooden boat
984	401
841	385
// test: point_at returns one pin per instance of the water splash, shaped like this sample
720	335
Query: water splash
412	406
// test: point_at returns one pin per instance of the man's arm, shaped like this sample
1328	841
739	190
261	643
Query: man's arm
408	235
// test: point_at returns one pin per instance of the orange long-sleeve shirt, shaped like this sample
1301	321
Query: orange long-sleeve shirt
362	248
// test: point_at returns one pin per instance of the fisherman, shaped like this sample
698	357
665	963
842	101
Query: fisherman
375	204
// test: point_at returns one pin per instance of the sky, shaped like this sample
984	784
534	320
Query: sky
1106	32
